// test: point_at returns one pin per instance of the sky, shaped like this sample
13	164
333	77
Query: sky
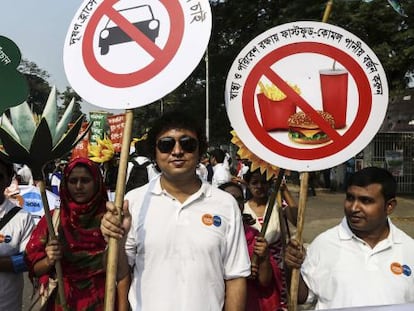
39	30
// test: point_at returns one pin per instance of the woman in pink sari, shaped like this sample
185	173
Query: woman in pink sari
264	284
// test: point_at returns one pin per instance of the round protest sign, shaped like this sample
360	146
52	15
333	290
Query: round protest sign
13	84
124	54
306	96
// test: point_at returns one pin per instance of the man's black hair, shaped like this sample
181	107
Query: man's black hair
375	175
141	148
218	154
9	167
176	120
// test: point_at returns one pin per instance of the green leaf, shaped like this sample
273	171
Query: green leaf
6	125
64	121
50	111
41	148
14	149
70	139
23	123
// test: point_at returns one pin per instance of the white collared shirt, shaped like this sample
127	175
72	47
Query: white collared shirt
342	270
182	253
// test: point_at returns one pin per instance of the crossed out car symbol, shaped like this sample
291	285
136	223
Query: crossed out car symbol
140	16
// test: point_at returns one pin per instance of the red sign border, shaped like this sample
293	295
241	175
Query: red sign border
119	80
364	105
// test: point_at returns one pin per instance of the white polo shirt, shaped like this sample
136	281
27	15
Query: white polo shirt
342	270
13	239
182	253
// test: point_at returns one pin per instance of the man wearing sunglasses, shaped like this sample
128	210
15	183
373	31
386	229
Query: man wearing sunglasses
183	237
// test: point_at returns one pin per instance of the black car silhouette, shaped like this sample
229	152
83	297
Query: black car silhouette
140	16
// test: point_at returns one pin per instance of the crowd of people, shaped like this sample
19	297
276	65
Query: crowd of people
191	236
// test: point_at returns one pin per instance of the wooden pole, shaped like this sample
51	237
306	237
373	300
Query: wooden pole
113	245
52	236
327	12
303	195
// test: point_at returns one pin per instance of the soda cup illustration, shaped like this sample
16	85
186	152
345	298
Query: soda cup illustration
334	88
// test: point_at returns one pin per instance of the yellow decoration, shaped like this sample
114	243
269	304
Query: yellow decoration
102	152
274	93
257	163
135	139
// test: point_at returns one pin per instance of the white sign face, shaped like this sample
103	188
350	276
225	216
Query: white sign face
129	53
313	69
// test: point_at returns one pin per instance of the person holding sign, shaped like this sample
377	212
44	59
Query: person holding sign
264	285
182	237
80	245
365	260
258	199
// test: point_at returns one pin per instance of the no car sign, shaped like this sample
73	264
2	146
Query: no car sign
129	53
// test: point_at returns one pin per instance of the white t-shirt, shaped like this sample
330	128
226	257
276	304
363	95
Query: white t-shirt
14	236
26	175
183	253
273	227
343	271
221	174
202	171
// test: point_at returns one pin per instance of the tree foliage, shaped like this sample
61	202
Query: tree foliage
67	97
39	90
236	23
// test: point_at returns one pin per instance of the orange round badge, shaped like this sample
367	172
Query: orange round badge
396	268
207	219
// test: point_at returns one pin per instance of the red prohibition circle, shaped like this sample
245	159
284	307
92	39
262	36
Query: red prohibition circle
162	57
338	142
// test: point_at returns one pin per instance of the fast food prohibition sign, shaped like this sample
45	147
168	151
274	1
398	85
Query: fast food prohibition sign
292	59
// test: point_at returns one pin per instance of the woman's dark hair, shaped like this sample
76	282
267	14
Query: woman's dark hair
230	184
176	120
9	167
248	175
375	175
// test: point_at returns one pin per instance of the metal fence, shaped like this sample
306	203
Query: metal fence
375	155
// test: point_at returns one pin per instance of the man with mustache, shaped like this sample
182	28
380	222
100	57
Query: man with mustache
365	260
182	237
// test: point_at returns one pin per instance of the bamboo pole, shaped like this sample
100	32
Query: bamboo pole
303	195
52	236
113	245
327	11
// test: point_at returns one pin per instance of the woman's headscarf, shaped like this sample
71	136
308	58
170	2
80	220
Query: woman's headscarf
82	242
80	222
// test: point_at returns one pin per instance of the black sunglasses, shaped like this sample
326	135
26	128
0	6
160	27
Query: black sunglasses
167	144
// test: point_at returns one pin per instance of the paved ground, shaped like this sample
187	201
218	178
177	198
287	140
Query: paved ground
322	212
326	210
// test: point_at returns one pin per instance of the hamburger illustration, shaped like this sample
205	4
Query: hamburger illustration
303	130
